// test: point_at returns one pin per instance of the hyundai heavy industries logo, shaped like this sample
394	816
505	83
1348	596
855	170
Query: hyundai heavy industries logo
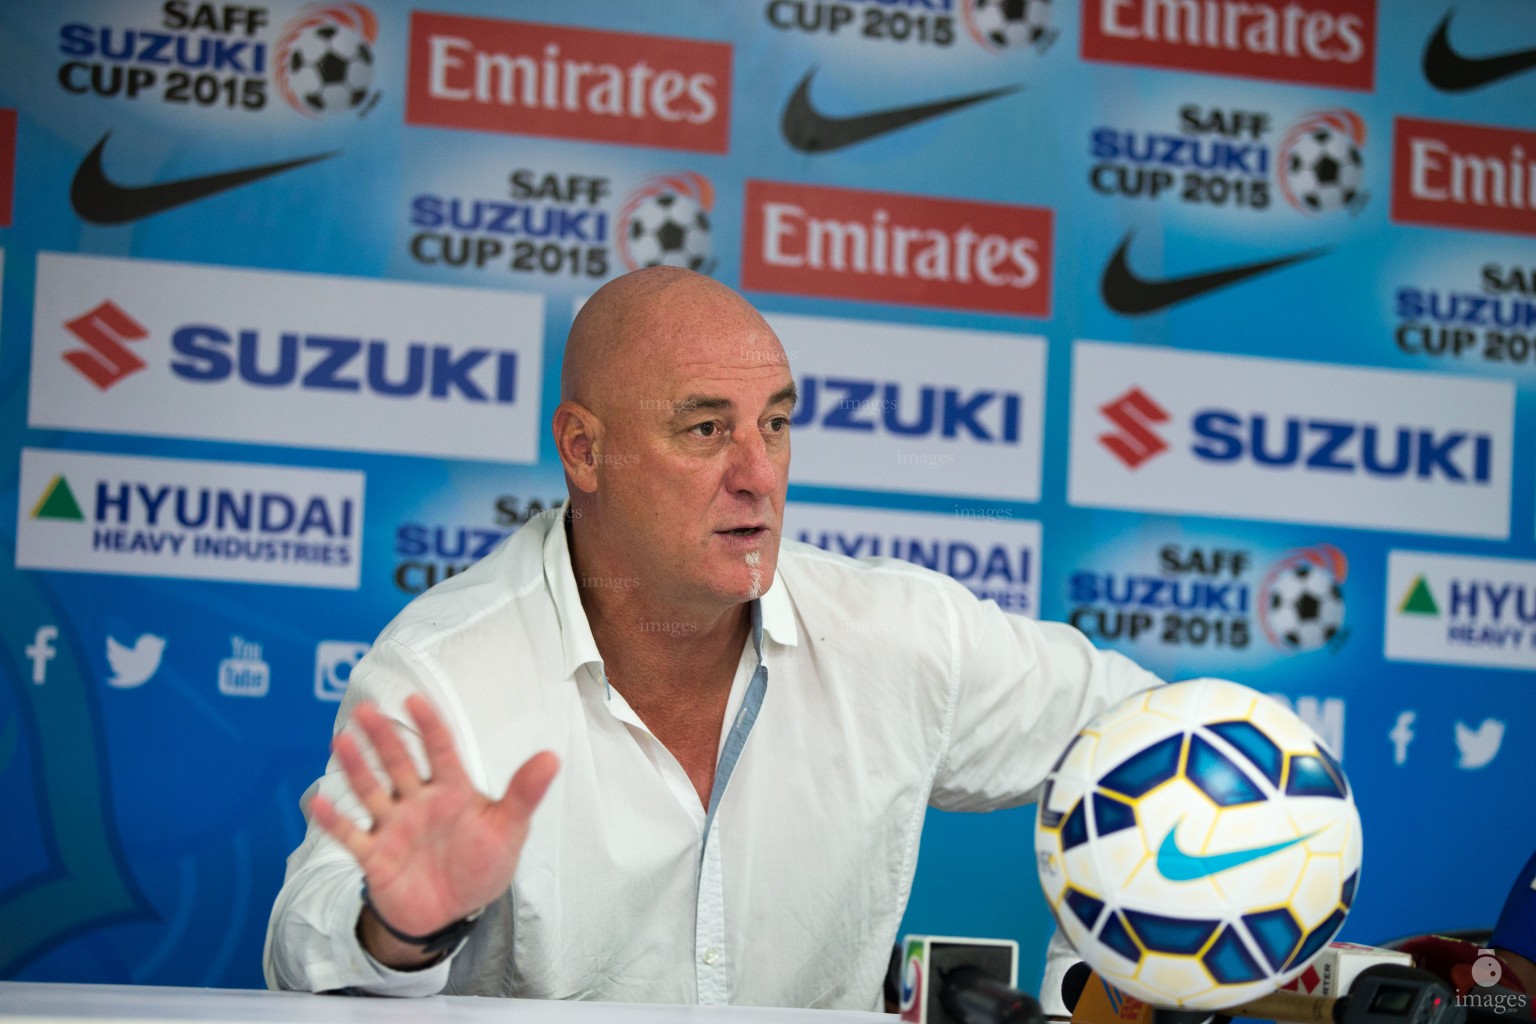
1163	430
191	519
1458	610
887	247
179	350
1321	42
484	74
924	410
1463	176
995	555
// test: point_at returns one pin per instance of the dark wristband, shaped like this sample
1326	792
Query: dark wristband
444	940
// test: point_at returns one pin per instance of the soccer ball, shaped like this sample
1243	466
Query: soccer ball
1002	24
669	228
1301	603
1198	845
1322	168
329	69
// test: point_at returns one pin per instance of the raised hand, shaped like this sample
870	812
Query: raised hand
438	849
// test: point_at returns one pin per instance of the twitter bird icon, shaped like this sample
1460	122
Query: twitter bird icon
1478	746
132	666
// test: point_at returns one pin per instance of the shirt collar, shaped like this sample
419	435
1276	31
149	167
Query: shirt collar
576	643
771	614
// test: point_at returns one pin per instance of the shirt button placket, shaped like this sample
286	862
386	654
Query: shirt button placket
709	932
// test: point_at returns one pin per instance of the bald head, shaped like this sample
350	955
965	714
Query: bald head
650	316
673	430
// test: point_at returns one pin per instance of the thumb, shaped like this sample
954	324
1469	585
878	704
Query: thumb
527	787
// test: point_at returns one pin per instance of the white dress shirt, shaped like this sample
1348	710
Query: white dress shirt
867	692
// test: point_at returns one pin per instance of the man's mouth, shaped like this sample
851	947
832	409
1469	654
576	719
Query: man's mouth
745	531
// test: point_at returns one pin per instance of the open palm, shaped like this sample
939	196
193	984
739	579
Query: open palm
438	848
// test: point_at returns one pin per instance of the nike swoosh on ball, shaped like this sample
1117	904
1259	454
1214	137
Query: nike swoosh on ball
1177	866
98	199
1126	292
1449	71
810	131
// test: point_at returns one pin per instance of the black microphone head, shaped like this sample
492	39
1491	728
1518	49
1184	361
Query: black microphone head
1073	983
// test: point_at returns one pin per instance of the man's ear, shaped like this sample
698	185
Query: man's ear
578	438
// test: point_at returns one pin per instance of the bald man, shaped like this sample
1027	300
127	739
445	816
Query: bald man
648	751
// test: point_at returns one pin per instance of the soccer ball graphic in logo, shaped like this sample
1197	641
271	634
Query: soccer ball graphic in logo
1321	169
1301	601
1198	845
666	223
325	60
1006	24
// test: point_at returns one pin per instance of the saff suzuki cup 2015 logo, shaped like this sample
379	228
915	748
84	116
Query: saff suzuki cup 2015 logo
1320	165
1301	601
1009	24
666	222
223	56
324	60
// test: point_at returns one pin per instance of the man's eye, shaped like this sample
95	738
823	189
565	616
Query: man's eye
778	424
705	429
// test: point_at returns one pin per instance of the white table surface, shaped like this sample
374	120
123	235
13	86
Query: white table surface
57	1003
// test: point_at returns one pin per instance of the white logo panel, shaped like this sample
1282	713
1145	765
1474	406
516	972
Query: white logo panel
1159	430
303	360
923	410
191	519
993	554
1456	610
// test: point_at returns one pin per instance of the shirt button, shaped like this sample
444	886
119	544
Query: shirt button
711	956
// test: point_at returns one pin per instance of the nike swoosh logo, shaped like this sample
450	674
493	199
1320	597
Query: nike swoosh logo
1449	71
1126	292
1177	866
810	131
98	199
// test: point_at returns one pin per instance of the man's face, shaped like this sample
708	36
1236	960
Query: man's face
695	461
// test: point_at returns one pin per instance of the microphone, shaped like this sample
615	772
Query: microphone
1073	983
970	997
947	980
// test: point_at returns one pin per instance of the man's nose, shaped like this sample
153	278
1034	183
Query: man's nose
753	469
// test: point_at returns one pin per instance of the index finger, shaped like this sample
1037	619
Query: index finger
436	741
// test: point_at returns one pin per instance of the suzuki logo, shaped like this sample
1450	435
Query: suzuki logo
105	330
1132	412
